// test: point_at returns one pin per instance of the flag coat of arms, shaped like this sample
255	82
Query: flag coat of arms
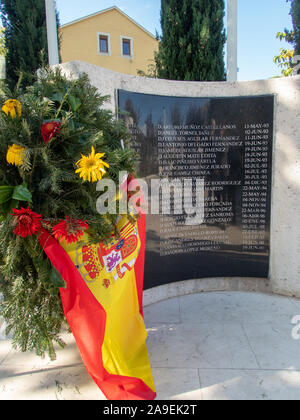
103	304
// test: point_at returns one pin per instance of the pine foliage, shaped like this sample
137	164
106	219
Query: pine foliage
47	182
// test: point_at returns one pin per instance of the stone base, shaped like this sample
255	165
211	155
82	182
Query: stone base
225	284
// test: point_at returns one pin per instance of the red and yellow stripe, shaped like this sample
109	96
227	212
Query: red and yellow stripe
105	310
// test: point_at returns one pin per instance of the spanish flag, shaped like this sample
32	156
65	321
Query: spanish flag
103	305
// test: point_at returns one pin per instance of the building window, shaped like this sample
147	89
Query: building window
127	47
104	44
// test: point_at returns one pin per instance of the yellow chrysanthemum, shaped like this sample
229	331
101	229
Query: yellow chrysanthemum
13	108
15	155
92	167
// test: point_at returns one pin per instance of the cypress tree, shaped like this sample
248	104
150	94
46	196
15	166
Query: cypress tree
295	12
192	42
25	38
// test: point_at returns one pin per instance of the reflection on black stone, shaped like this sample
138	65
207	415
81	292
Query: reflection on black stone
228	143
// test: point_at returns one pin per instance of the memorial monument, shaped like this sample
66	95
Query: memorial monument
256	245
227	143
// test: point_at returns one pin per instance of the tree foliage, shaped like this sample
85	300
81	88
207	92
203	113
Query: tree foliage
192	42
295	12
3	50
292	36
25	38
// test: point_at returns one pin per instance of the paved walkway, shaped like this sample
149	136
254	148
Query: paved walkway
207	346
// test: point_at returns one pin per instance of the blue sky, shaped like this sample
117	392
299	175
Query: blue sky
259	21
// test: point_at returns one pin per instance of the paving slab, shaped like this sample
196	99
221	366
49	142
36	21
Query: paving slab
207	346
201	345
243	385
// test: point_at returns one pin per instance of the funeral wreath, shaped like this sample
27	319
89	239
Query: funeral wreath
56	142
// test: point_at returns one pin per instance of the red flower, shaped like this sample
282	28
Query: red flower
50	129
69	230
26	221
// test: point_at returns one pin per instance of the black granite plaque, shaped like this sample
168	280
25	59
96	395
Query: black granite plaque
227	142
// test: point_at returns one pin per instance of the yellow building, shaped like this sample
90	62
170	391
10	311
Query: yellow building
109	39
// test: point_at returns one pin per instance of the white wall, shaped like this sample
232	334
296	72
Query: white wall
285	226
2	67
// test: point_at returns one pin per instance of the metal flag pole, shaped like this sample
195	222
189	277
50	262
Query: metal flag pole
232	32
52	33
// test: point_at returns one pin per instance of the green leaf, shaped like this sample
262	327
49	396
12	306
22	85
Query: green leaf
21	193
75	103
6	208
56	278
57	97
6	193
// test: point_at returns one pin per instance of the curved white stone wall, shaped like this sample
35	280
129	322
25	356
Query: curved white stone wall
285	226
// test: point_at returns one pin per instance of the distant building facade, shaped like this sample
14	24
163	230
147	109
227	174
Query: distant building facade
109	39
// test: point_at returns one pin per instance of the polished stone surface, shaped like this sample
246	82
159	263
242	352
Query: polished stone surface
226	143
208	346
